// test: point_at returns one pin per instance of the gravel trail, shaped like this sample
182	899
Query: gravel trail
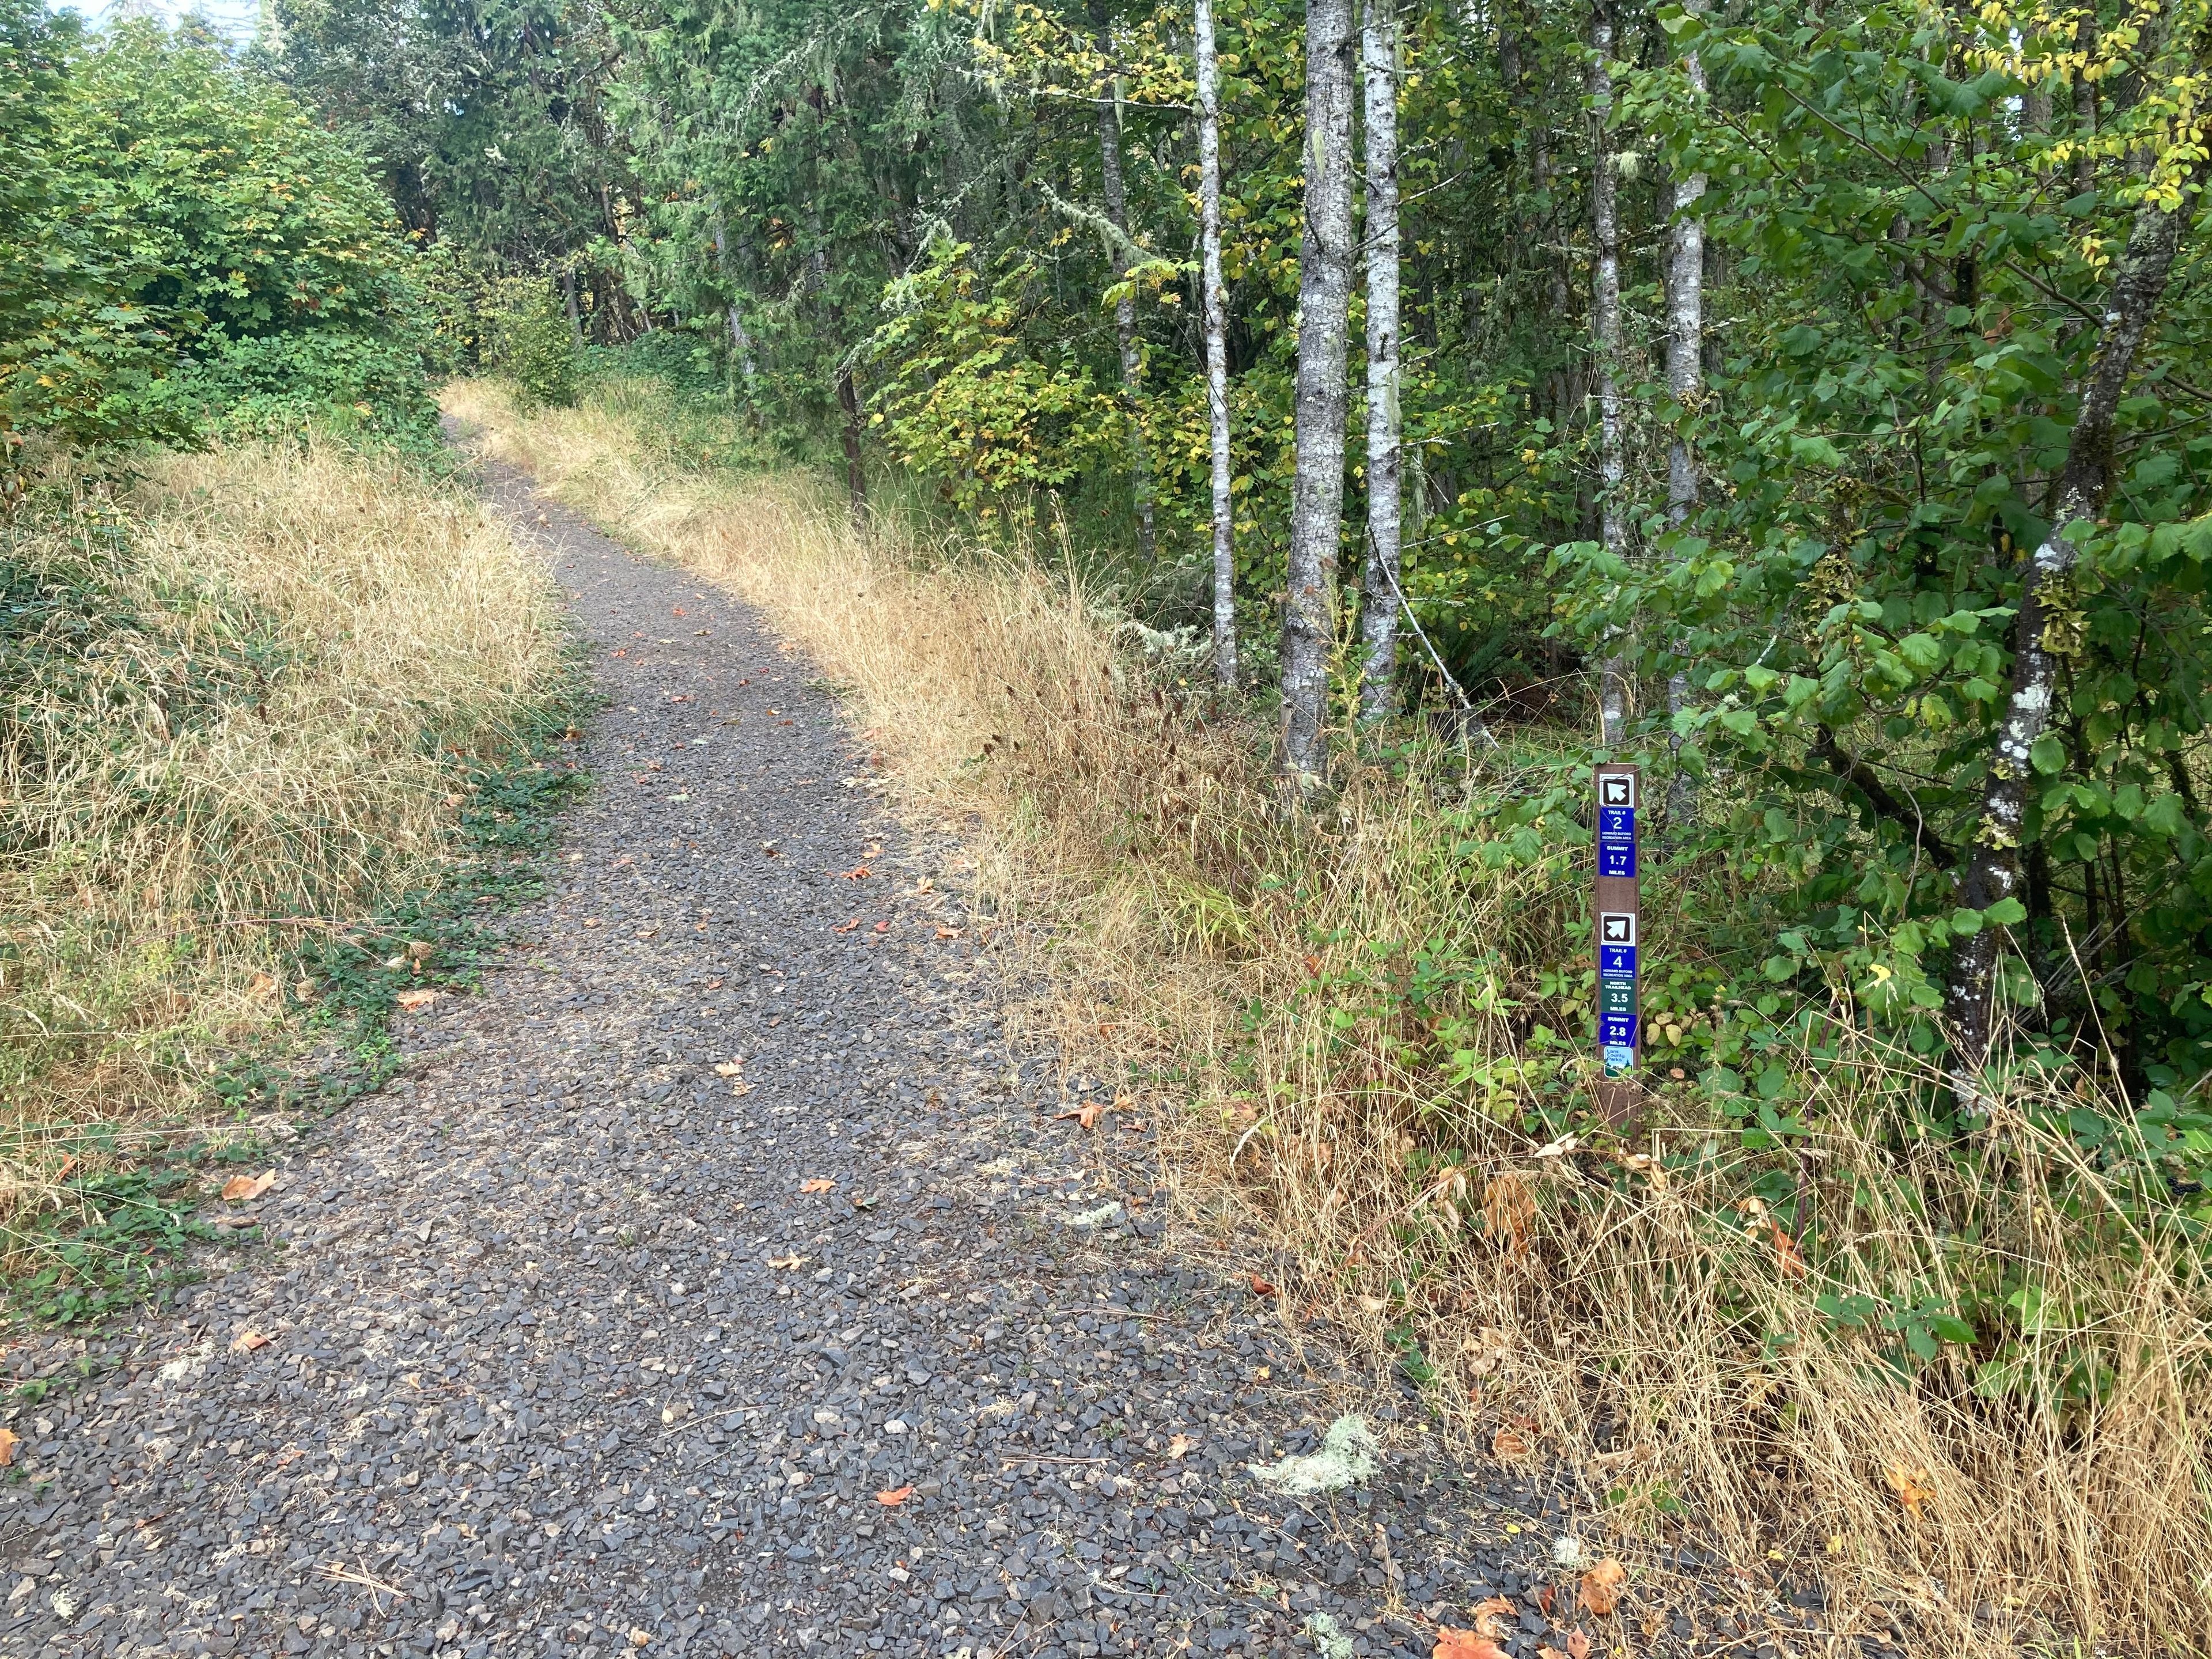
722	1212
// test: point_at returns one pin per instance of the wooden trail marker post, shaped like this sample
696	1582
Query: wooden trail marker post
1620	916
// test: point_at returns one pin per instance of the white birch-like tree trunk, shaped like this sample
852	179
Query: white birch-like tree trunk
1604	341
1217	343
1686	347
1324	261
1124	308
1993	865
1380	584
740	342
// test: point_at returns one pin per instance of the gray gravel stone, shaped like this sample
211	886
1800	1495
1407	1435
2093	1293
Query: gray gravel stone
563	1358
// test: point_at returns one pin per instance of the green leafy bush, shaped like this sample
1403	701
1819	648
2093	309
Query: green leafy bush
187	252
536	347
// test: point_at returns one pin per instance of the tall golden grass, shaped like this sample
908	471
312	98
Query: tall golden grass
1629	1308
228	724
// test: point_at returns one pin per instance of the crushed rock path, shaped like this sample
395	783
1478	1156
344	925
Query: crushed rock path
572	1351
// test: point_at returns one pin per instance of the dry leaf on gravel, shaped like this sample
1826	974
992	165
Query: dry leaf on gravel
8	1444
1490	1617
817	1184
1465	1644
1602	1587
411	1000
1509	1442
1085	1114
894	1496
1260	1286
1578	1645
1178	1446
245	1189
785	1260
247	1341
728	1068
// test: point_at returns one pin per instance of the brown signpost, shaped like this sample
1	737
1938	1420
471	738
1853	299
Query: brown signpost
1619	943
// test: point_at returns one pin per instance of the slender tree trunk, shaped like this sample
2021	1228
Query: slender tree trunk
856	480
1605	340
569	300
1125	310
1686	345
1993	866
741	344
1216	344
1378	613
1325	256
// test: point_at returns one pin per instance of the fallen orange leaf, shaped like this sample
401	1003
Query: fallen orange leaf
1509	1442
7	1443
1490	1617
1260	1286
247	1341
1578	1645
1913	1486
1786	1256
1087	1114
245	1189
845	927
1509	1209
411	1000
1602	1586
894	1496
1465	1644
1177	1446
817	1184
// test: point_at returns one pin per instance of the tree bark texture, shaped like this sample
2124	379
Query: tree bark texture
1325	260
1604	341
1993	865
1380	584
856	479
1216	344
1124	311
1686	345
741	345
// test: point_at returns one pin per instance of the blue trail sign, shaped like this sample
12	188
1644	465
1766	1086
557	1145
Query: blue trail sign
1619	922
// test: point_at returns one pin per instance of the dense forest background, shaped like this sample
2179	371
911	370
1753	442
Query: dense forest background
1738	370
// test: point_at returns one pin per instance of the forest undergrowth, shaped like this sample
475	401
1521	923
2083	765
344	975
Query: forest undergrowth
281	718
1959	1380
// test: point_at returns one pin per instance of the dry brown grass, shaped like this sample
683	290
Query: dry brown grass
1625	1307
225	727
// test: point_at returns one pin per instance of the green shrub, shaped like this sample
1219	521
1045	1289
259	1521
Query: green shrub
536	347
